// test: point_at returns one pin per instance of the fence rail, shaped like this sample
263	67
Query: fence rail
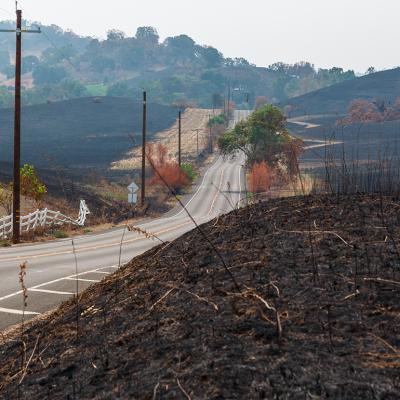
42	218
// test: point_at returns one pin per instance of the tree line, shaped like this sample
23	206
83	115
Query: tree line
175	70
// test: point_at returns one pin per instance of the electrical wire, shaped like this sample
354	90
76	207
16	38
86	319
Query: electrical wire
7	11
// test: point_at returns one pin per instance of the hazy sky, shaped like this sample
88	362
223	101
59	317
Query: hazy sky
348	33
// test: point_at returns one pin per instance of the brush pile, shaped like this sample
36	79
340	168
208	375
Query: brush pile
306	306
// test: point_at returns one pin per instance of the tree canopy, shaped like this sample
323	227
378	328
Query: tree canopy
263	137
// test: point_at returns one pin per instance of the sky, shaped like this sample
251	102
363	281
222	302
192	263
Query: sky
352	34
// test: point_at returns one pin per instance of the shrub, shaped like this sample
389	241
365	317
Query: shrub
189	170
31	186
171	174
166	169
260	178
60	235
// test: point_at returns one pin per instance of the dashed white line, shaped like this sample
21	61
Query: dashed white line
217	192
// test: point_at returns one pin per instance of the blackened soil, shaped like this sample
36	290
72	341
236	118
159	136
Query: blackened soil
307	307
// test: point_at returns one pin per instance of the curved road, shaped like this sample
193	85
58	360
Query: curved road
51	273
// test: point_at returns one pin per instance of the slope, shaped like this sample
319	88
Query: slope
384	85
316	314
85	132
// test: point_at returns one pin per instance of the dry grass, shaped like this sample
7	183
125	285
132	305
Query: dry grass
192	118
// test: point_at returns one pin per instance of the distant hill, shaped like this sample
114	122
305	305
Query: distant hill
383	86
61	65
36	44
81	133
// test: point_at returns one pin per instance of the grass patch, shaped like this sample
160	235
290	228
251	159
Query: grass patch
5	243
97	89
60	234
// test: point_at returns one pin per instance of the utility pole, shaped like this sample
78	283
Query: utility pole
228	105
17	126
197	140
144	130
210	133
180	138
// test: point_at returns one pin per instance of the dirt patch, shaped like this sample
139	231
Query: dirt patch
316	314
192	119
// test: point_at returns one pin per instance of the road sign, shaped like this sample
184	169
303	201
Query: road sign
132	193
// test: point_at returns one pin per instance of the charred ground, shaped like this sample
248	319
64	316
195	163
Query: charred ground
316	313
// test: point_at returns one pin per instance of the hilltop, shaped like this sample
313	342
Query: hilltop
306	305
381	86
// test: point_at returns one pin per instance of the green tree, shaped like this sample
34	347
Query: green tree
31	186
43	75
115	34
102	63
147	34
263	137
29	63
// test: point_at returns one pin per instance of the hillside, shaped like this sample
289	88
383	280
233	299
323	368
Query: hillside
61	65
309	309
86	132
384	85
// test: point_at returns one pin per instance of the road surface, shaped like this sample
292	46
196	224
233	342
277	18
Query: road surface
52	273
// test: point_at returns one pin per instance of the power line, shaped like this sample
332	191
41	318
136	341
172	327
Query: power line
52	43
6	11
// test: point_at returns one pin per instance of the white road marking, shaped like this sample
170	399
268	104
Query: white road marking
51	291
101	246
197	191
51	282
217	193
102	272
111	266
81	280
17	312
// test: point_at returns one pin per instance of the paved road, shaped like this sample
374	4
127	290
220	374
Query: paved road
52	275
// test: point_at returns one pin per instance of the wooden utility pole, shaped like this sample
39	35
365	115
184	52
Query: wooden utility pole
228	108
197	140
17	126
17	134
180	139
211	138
144	130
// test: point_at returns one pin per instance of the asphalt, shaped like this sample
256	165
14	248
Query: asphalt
57	270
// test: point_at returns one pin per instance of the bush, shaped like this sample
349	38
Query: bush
217	120
260	178
165	169
60	235
189	170
172	175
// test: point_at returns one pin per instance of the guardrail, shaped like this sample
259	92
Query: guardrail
42	218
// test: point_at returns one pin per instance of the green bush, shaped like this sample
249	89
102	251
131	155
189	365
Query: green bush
217	120
60	235
189	170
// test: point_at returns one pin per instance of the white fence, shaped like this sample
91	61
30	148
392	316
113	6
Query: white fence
42	218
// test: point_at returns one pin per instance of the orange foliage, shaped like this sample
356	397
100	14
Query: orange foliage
260	178
360	111
167	169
